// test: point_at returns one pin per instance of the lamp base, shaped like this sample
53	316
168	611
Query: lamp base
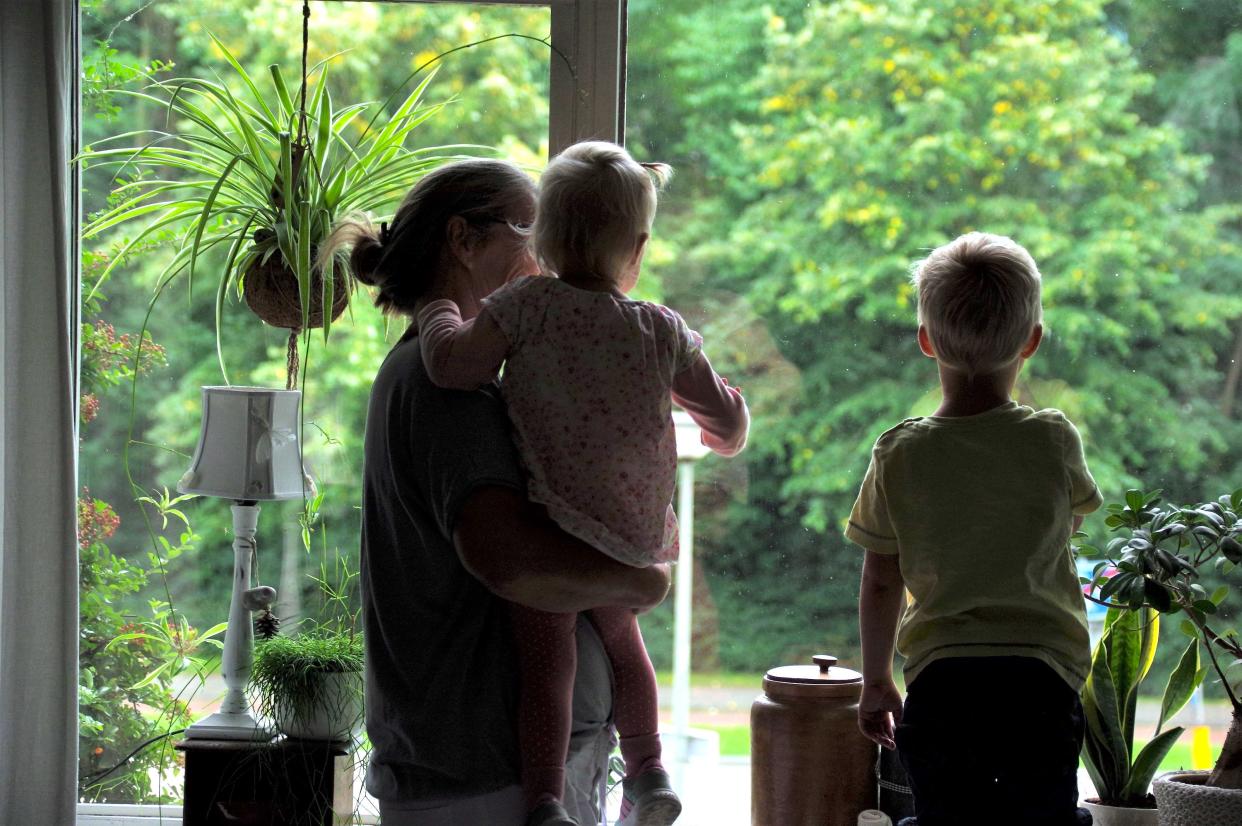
224	725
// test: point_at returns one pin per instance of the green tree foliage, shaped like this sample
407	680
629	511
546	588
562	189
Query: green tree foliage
868	133
820	148
925	120
129	653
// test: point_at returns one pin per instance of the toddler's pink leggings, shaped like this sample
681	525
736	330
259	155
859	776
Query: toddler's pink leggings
548	657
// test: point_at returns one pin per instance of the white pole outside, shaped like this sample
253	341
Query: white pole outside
682	606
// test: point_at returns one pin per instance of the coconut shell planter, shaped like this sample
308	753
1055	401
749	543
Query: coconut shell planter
271	292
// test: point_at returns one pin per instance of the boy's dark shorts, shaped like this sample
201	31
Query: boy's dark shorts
992	740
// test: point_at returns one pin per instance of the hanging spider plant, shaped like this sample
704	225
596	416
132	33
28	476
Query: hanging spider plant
262	177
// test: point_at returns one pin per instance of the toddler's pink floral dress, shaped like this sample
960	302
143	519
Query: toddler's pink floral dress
589	380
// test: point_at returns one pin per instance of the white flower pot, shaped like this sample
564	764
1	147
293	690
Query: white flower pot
335	716
1102	815
1185	801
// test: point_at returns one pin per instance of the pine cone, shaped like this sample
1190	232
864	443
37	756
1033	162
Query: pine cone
266	625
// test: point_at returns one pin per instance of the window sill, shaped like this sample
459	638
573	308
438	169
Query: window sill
113	814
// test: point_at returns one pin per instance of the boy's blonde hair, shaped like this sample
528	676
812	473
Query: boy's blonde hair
595	201
979	299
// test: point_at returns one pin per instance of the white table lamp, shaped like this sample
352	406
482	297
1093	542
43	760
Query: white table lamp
248	451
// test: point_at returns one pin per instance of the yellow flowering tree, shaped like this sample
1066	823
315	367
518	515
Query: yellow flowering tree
869	133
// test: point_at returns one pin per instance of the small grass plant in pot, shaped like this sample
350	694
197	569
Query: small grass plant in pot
1121	662
310	685
1157	561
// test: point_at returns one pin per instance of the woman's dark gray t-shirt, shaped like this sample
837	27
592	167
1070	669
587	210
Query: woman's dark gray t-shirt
441	670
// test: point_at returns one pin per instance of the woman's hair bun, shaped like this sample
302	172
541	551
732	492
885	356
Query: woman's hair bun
364	260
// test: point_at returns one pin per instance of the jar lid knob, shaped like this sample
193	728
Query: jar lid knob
824	661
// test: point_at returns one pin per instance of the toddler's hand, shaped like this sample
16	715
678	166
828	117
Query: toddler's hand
879	711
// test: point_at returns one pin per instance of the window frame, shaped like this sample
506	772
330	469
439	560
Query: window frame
586	99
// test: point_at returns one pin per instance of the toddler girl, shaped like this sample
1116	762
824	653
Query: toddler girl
589	379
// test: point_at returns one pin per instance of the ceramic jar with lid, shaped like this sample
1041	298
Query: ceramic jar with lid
810	765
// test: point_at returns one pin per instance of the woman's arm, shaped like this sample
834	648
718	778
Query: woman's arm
715	406
520	554
460	355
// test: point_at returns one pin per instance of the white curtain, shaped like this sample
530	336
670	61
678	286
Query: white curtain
38	412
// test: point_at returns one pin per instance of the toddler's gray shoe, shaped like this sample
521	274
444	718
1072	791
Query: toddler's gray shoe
550	814
651	799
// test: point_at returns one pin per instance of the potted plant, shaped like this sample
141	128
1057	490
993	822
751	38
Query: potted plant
1159	555
261	177
310	685
1121	661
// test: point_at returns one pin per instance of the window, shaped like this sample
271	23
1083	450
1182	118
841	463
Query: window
507	89
820	147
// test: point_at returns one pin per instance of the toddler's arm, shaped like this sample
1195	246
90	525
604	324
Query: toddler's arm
460	355
879	609
715	406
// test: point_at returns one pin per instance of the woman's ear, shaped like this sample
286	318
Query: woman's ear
1032	343
457	239
925	343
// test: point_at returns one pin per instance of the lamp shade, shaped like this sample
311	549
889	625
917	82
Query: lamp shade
248	446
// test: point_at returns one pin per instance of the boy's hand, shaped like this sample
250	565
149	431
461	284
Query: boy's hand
879	711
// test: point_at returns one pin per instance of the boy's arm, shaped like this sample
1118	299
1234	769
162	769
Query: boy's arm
1084	492
715	406
460	355
880	603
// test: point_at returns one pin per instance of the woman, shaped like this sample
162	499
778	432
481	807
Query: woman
447	532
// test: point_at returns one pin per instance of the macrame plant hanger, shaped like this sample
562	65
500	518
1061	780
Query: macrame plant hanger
300	146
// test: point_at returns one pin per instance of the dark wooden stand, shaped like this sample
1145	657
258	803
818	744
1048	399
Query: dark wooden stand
240	783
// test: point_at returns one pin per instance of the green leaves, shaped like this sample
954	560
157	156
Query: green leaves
1157	555
233	170
1183	681
1121	661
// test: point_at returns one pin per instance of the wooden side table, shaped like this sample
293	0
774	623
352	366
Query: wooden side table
242	783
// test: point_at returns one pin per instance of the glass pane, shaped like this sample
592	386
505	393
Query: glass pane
156	572
820	149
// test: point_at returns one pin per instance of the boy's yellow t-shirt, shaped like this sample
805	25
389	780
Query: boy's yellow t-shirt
979	510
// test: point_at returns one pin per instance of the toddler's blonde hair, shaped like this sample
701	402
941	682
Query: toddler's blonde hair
595	201
979	299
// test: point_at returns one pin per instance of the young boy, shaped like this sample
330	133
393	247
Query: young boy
971	510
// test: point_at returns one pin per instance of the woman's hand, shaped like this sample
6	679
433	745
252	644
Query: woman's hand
879	711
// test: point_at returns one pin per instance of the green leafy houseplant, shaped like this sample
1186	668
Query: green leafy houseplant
1121	661
1158	555
310	685
261	177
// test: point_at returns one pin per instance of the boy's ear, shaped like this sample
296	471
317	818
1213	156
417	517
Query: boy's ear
925	343
1032	343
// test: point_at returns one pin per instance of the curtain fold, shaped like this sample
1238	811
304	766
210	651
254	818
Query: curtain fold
38	411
